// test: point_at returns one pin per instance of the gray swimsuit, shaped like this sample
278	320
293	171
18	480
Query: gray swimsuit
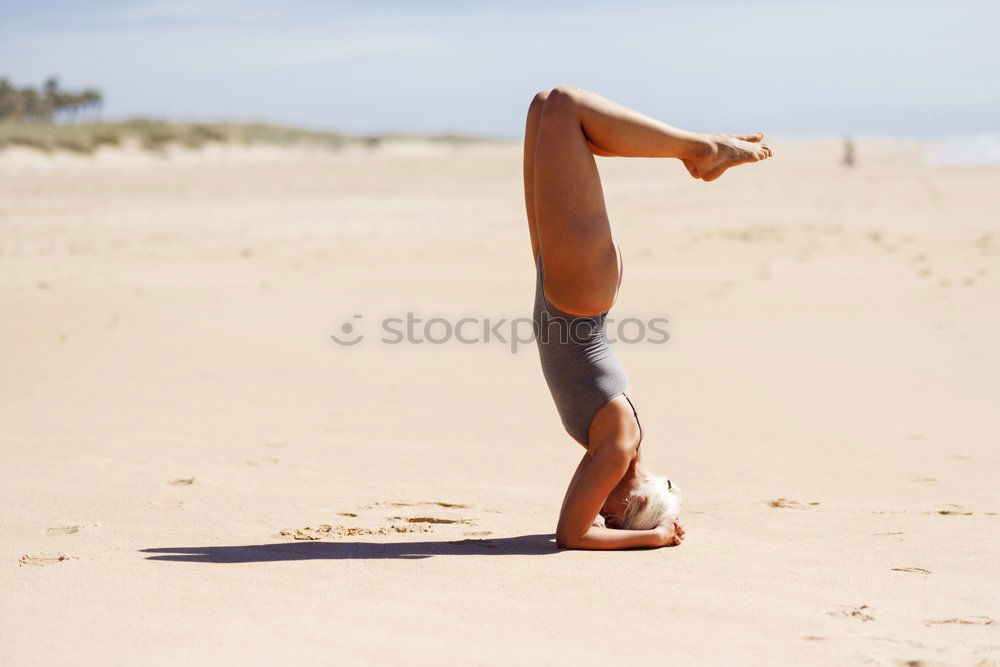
579	364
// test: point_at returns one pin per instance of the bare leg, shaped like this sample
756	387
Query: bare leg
573	231
530	142
614	130
567	218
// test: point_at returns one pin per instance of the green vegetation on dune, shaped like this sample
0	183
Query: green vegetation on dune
156	135
43	119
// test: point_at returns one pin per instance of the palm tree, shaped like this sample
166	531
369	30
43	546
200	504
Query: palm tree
92	98
52	99
10	102
33	108
45	105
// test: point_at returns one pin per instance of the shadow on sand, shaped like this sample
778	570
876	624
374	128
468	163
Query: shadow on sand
522	545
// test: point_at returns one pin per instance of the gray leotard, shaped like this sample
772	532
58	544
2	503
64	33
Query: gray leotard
579	364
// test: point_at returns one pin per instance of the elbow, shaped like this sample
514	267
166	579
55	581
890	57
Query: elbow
567	540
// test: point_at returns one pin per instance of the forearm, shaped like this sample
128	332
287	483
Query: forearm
600	538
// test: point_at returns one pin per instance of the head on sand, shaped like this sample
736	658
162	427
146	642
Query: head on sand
642	501
652	501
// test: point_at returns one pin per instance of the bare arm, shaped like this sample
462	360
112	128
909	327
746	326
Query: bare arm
593	481
598	538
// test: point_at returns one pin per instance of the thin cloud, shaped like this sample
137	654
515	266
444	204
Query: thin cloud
893	67
325	52
191	11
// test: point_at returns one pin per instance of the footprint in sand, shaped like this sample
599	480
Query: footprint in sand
877	237
952	509
167	504
964	620
326	530
419	523
67	530
895	534
425	503
39	560
426	519
791	504
421	518
983	243
181	481
862	613
269	461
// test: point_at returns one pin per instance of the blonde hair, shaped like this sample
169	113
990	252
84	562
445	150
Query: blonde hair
653	500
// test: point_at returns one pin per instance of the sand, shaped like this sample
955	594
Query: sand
194	471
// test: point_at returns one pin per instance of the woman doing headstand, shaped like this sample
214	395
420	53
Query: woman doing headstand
612	501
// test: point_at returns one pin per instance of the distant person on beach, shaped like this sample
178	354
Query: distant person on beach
613	501
849	157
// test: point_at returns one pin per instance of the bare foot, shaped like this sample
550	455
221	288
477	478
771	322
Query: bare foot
722	151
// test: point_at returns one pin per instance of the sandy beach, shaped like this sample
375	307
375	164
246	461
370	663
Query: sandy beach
193	470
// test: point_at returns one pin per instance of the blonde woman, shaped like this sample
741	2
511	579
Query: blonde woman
612	501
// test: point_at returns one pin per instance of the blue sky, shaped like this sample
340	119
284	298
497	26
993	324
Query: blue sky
797	67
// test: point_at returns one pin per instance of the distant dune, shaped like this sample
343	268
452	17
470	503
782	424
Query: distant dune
155	135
